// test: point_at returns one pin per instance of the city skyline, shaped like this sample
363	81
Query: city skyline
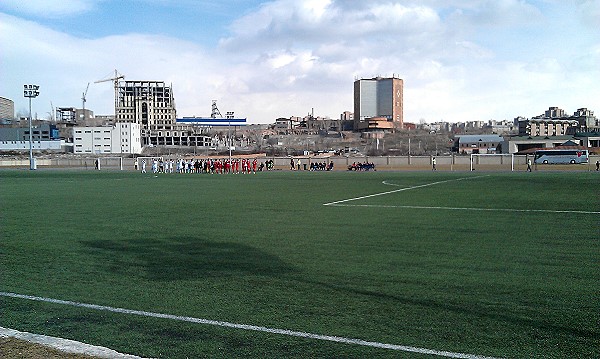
460	60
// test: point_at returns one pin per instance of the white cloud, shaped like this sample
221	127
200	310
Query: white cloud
287	57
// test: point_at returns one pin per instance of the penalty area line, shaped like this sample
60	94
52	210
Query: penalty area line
401	189
292	333
467	208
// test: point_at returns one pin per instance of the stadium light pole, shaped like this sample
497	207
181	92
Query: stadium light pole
31	91
229	116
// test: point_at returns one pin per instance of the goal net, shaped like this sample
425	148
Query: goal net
493	162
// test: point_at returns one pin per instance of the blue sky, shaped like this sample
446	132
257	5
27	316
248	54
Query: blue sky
460	60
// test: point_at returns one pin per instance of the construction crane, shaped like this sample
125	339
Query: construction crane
115	79
83	99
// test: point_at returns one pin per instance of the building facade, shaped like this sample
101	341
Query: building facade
555	122
516	144
547	127
472	144
151	105
378	98
118	139
74	115
41	132
587	121
7	109
147	103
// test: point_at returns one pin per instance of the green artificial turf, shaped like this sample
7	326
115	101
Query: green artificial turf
407	268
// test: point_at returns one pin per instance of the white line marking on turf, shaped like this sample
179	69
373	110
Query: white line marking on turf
251	327
467	208
401	189
338	203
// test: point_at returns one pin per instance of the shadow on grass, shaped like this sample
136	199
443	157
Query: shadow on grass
184	258
466	309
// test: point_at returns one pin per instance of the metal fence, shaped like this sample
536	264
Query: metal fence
416	163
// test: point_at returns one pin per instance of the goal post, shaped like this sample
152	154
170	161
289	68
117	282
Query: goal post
493	161
109	163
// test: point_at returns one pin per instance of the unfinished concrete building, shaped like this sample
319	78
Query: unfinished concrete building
151	104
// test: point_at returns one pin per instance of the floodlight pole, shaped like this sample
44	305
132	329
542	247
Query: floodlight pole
31	91
229	138
229	116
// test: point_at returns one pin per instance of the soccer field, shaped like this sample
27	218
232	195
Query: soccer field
305	264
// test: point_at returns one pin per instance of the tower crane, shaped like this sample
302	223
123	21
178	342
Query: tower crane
83	100
115	79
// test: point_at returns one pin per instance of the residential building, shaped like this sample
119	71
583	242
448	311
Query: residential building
283	125
554	122
346	121
587	121
484	144
547	127
378	98
7	109
121	138
554	112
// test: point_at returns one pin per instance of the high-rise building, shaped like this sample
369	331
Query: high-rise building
148	103
378	100
151	105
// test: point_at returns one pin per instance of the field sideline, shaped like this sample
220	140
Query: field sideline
480	264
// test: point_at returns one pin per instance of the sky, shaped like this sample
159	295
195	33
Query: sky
461	60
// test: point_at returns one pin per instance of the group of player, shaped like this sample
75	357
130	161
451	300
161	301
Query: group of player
214	166
361	166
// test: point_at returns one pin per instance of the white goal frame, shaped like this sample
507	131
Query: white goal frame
106	159
501	156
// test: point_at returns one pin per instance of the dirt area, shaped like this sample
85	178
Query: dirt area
16	344
12	348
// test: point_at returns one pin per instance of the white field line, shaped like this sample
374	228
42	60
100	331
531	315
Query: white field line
251	327
339	203
467	208
401	189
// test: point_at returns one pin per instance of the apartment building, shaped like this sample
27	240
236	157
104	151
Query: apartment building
121	138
